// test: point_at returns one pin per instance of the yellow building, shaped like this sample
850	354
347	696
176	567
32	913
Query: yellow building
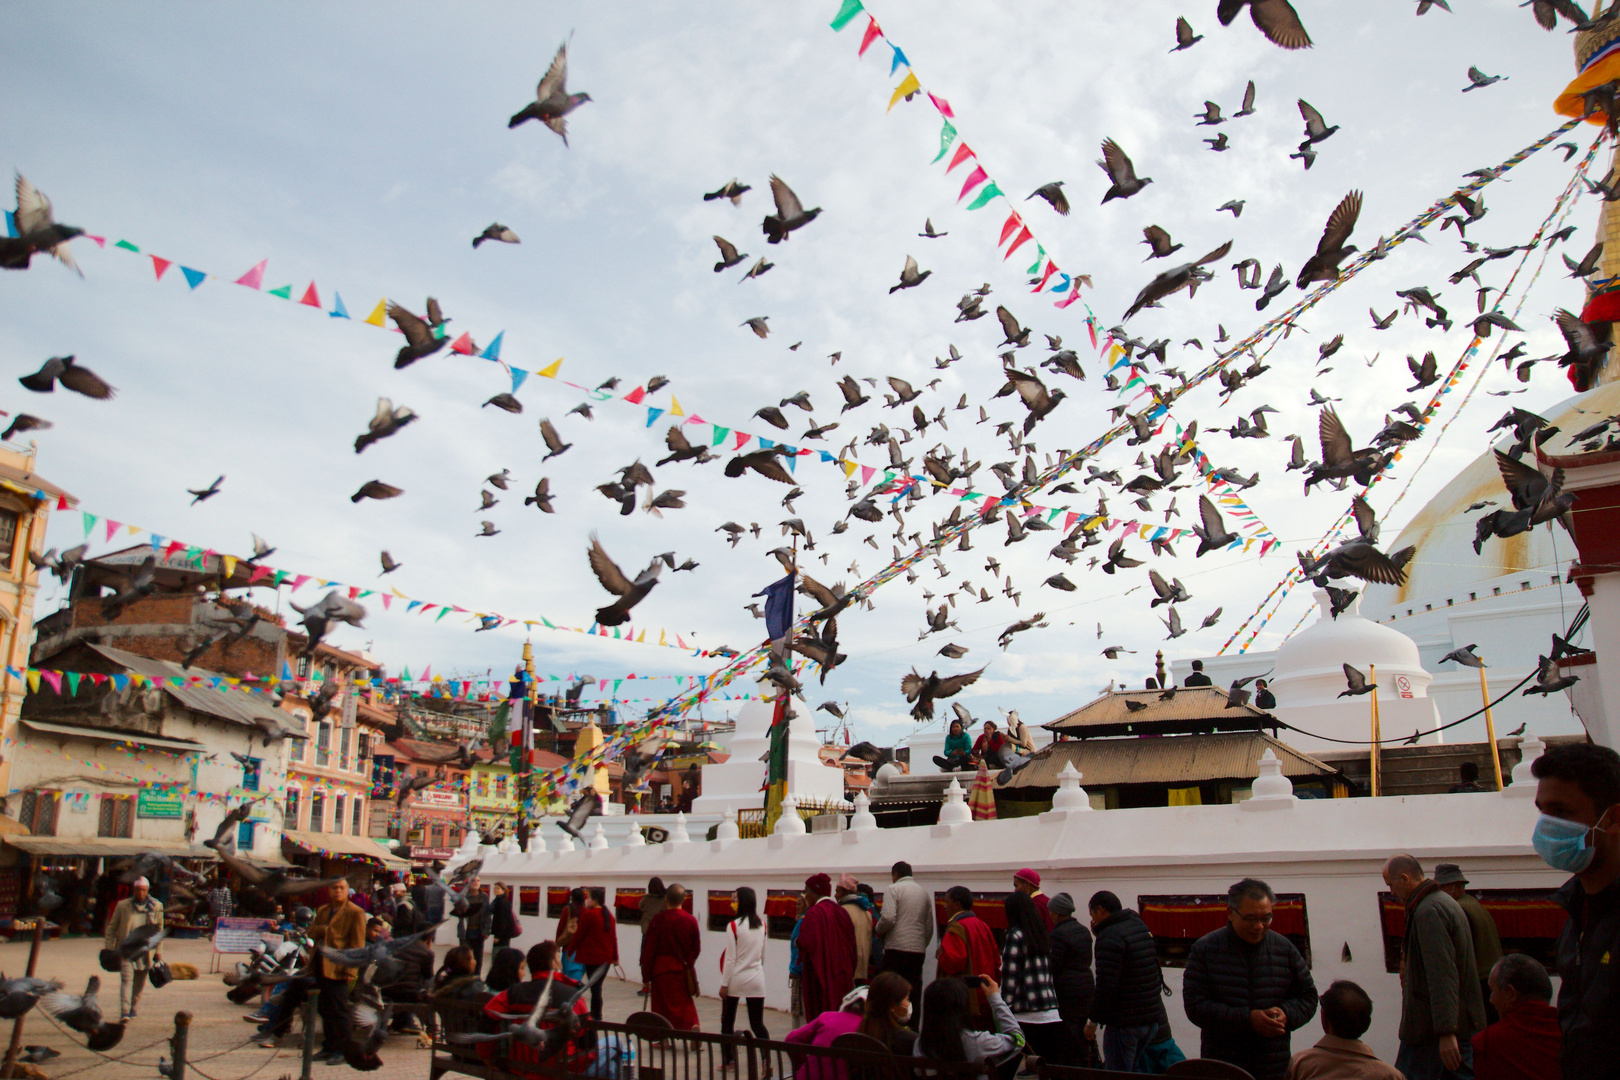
492	791
26	502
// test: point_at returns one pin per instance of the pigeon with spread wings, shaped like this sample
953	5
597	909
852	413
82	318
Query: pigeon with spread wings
925	690
629	593
1186	276
62	369
37	231
1276	19
1120	169
552	102
1331	250
1339	457
420	336
790	213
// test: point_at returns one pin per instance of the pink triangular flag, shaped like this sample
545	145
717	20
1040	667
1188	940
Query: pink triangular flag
112	527
462	345
254	278
975	178
160	264
961	155
311	297
943	106
873	32
866	474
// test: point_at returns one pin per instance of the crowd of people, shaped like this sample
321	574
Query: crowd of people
1066	985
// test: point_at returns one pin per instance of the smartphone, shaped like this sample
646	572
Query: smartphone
974	982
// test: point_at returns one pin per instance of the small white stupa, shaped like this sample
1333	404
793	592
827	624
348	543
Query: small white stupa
739	782
1310	677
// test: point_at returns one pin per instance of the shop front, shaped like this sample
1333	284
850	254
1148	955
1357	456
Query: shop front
364	861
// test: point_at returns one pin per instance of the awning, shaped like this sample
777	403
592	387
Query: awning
344	846
105	847
183	745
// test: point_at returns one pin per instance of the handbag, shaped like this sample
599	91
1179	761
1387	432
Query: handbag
159	975
692	982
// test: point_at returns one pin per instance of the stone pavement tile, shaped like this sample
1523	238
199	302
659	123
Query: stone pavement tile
220	1045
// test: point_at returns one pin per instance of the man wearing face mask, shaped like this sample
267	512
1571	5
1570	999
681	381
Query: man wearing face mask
1578	794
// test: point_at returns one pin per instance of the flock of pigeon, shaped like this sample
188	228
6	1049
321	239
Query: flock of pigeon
912	422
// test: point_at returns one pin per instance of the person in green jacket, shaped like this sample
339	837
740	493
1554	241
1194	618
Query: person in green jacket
958	750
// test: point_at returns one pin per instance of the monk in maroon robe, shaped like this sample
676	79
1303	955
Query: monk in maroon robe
669	950
826	950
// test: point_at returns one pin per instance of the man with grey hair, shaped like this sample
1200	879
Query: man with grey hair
1246	986
1526	1041
1441	1004
139	908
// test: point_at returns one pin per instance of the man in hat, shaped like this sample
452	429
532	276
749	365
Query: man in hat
826	949
138	909
1487	943
407	918
1029	882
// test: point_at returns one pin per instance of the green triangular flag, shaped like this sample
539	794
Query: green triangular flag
89	521
285	292
720	434
947	136
1040	257
126	245
405	676
848	11
988	192
443	611
73	683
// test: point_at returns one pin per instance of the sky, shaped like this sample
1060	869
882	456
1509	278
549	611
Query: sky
362	146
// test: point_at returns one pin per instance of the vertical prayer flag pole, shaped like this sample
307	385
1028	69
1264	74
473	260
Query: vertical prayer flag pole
1490	728
1372	677
776	769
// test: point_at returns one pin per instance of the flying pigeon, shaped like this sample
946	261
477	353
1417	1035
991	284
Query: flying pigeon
552	102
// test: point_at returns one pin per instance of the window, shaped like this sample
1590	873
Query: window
9	520
290	818
627	905
556	900
244	837
337	814
317	811
359	814
722	905
250	775
1178	921
323	743
781	912
1527	920
343	748
363	747
500	786
300	725
117	816
303	667
529	900
38	814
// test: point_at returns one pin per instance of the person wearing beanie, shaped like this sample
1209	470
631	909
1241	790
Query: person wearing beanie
1028	881
827	953
859	909
137	909
1070	963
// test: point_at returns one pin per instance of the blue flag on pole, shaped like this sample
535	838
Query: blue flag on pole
778	606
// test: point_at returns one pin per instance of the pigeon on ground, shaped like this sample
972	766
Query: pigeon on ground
497	232
552	102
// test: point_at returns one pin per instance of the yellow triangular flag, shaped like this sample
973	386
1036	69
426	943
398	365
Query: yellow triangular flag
675	406
376	317
133	529
551	369
660	637
230	566
33	679
643	636
908	85
849	468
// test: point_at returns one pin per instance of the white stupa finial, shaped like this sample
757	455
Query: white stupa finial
727	829
678	833
789	823
599	838
954	810
1272	790
635	838
1070	795
1524	782
864	820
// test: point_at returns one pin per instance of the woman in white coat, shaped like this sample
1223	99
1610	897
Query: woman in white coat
742	972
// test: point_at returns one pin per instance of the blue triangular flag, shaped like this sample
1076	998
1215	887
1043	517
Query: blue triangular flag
899	58
493	352
518	375
194	278
286	670
653	415
11	223
338	310
765	444
1062	286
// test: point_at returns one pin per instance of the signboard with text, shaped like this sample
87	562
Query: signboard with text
240	935
447	799
153	804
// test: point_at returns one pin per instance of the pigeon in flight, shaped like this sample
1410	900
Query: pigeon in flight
389	564
497	232
206	493
422	337
1052	193
1276	19
1331	250
1185	38
629	593
554	443
1478	80
910	278
1248	102
928	230
386	422
376	489
790	213
925	690
729	256
1357	683
1121	171
731	189
37	231
62	369
552	102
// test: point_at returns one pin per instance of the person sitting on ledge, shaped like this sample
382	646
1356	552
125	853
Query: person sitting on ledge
958	755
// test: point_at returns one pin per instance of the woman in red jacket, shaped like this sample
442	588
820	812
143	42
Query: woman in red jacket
596	942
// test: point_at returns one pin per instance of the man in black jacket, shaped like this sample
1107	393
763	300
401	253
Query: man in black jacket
1578	794
1247	987
1127	1002
1070	964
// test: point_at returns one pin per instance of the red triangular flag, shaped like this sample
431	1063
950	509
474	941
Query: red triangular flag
161	264
311	297
1051	268
873	32
742	438
961	155
254	278
635	396
462	345
1012	223
1023	238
